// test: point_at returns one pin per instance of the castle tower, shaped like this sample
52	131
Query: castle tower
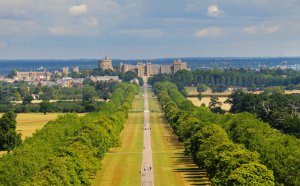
105	64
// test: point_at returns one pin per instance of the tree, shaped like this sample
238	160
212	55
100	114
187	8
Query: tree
45	107
199	96
27	99
8	135
202	88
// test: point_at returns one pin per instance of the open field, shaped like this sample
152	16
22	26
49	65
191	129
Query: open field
28	123
121	166
192	91
171	167
206	101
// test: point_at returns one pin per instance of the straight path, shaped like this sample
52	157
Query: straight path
121	165
147	178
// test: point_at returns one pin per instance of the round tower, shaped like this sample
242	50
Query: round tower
105	64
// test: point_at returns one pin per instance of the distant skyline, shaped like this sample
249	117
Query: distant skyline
148	29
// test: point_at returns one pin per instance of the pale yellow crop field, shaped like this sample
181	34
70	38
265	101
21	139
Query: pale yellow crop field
206	101
28	123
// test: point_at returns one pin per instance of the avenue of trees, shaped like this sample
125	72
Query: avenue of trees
236	149
218	80
68	151
281	111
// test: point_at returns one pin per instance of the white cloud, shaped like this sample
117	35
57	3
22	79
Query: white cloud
208	32
2	45
270	28
261	29
250	30
148	33
59	30
213	11
78	10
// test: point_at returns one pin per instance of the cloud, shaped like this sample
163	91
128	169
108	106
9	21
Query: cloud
208	32
250	30
78	10
270	28
2	45
261	29
213	11
58	31
148	33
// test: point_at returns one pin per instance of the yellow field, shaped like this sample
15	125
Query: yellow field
171	167
206	101
28	123
121	166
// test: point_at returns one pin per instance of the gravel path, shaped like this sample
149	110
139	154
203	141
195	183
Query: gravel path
147	178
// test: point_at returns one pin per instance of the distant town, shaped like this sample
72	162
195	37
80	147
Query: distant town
70	77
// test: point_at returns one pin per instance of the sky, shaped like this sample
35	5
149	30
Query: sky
147	29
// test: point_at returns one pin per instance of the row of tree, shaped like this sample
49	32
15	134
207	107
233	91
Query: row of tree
68	150
281	111
219	80
227	163
279	152
80	99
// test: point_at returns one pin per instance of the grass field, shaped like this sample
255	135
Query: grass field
153	106
138	102
121	166
206	101
28	123
171	167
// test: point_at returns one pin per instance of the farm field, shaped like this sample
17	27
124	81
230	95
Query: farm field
206	101
28	123
171	167
121	165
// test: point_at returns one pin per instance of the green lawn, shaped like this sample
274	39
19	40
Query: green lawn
121	166
171	167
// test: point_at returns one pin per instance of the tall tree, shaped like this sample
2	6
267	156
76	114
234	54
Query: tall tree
8	135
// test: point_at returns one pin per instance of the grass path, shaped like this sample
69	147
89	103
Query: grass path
121	166
171	167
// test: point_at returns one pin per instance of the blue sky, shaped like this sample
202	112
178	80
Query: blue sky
39	29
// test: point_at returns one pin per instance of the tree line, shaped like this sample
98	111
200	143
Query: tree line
281	111
209	145
70	99
68	151
197	126
219	80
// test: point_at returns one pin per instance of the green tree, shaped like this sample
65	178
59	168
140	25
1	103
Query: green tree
45	107
202	88
27	99
8	135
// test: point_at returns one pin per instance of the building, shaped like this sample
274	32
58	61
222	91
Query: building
75	69
148	69
65	70
178	65
33	76
105	78
105	64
